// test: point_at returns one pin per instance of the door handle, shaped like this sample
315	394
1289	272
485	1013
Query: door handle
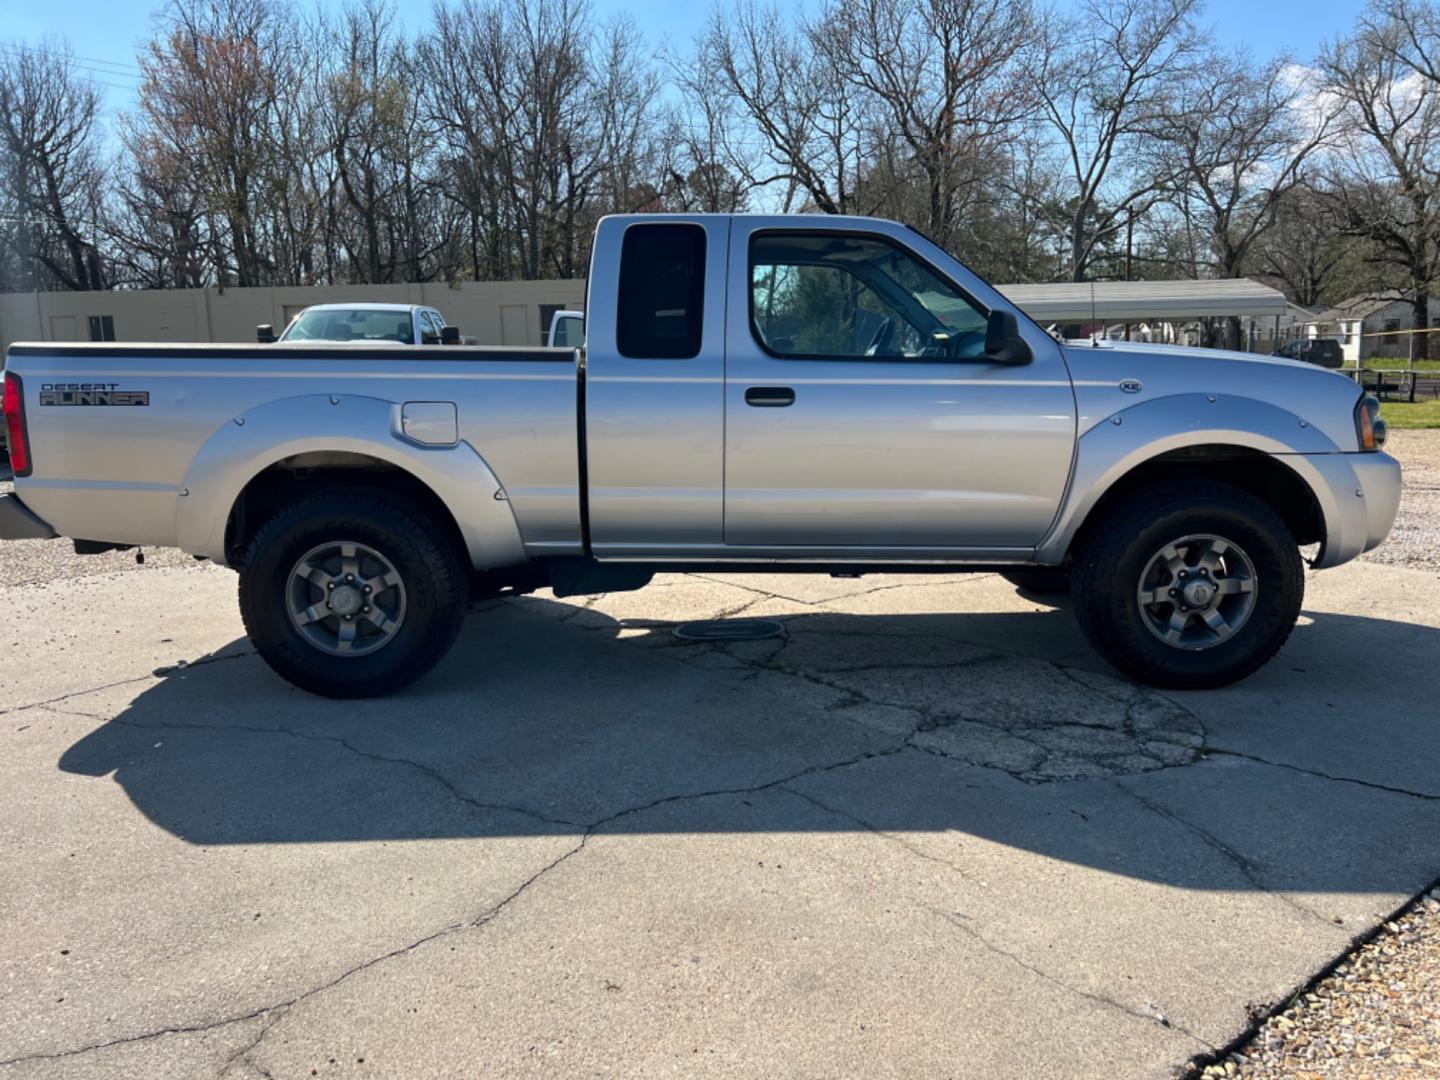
769	397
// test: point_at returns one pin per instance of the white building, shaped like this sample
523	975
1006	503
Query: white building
1371	325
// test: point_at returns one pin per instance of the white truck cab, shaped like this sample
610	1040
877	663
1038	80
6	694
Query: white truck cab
567	330
389	324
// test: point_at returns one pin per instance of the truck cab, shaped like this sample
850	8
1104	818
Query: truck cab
399	324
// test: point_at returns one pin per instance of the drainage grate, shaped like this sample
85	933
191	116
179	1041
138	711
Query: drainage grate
729	630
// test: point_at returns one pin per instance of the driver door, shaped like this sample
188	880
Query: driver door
862	418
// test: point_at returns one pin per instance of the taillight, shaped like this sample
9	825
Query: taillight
1369	426
15	432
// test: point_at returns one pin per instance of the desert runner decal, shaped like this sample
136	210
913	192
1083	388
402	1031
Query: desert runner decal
91	394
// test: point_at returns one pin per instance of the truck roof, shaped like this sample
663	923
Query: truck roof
365	305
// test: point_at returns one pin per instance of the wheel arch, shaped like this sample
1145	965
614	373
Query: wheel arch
1264	475
283	481
250	465
1255	446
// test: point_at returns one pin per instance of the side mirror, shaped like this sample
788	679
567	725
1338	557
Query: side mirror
265	333
1003	343
449	335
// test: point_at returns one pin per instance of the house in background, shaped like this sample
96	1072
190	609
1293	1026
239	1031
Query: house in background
1370	325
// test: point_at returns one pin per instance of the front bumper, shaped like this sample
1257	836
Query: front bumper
1379	477
1359	495
18	523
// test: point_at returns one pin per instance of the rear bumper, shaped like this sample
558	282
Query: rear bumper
18	523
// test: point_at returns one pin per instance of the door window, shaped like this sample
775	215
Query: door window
662	292
842	296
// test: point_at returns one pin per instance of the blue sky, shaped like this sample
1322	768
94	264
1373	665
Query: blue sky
106	33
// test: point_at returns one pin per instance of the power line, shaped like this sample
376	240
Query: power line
93	72
125	69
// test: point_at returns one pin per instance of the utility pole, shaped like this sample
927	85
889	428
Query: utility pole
1129	250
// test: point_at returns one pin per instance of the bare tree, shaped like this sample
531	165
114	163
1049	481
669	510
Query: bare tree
548	121
1382	182
1233	142
1101	78
219	99
53	181
941	81
1304	253
381	150
805	114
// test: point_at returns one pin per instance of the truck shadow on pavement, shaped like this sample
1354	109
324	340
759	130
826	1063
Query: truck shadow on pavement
997	728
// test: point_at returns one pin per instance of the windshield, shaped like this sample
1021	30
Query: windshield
351	324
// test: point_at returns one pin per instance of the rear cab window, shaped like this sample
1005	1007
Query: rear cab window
661	307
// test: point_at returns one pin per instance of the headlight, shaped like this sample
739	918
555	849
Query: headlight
1369	426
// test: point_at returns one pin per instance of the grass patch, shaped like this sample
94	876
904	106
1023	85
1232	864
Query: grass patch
1403	414
1394	363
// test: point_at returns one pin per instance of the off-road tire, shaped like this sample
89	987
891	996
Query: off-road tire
1117	547
1040	580
433	570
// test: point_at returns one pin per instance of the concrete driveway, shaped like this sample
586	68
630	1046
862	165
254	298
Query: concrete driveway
925	833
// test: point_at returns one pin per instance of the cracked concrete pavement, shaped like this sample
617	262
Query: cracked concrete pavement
923	833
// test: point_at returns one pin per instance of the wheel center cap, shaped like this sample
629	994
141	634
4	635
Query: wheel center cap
1199	593
344	600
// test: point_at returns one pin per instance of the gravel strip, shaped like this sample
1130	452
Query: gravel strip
26	562
1377	1015
1415	540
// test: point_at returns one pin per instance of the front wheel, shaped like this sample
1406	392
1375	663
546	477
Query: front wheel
352	593
1189	586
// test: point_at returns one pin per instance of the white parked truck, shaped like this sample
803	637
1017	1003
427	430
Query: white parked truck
567	330
373	324
755	393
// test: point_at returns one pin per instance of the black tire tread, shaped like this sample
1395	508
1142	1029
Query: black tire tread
1122	527
348	507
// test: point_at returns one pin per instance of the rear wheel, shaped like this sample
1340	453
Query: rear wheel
352	593
1191	585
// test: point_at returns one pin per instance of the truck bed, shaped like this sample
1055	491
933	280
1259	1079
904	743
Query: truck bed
103	414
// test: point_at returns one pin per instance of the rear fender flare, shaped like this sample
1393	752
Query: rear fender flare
1113	447
252	442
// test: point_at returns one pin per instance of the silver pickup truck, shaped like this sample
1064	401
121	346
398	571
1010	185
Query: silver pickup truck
756	393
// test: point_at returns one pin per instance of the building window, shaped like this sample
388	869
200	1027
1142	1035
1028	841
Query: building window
102	328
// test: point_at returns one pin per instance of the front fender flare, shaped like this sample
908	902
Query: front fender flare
252	442
1110	449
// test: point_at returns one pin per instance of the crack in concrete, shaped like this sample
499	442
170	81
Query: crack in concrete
871	827
427	770
852	698
1248	870
486	917
242	1055
204	661
1156	1016
1040	770
1216	751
